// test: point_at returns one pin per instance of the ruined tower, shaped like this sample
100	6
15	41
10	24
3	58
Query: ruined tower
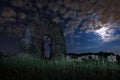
43	36
26	20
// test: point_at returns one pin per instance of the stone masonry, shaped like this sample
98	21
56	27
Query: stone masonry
33	42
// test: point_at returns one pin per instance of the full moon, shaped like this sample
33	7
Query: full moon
102	32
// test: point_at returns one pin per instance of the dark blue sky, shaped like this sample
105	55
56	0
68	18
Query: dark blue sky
89	25
82	41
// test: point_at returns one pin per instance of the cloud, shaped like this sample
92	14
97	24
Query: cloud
111	9
76	14
22	15
111	31
88	31
107	33
7	15
72	23
18	3
8	12
69	31
111	38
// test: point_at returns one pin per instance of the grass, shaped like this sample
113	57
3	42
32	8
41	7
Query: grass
60	68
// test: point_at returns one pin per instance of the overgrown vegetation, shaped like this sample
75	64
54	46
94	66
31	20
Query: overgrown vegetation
30	68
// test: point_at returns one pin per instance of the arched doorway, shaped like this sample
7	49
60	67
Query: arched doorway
47	46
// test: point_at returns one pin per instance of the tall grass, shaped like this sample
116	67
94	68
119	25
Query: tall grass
60	68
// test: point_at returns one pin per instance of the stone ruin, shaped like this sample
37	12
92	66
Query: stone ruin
42	33
101	56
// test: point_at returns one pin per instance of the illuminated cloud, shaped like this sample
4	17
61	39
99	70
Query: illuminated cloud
111	38
107	33
111	31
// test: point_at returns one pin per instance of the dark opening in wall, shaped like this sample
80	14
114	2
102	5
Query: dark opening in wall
47	46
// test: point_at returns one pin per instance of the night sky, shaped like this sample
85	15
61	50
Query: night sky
89	25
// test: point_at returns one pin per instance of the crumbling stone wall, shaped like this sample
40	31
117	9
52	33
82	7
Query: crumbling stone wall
23	19
32	41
